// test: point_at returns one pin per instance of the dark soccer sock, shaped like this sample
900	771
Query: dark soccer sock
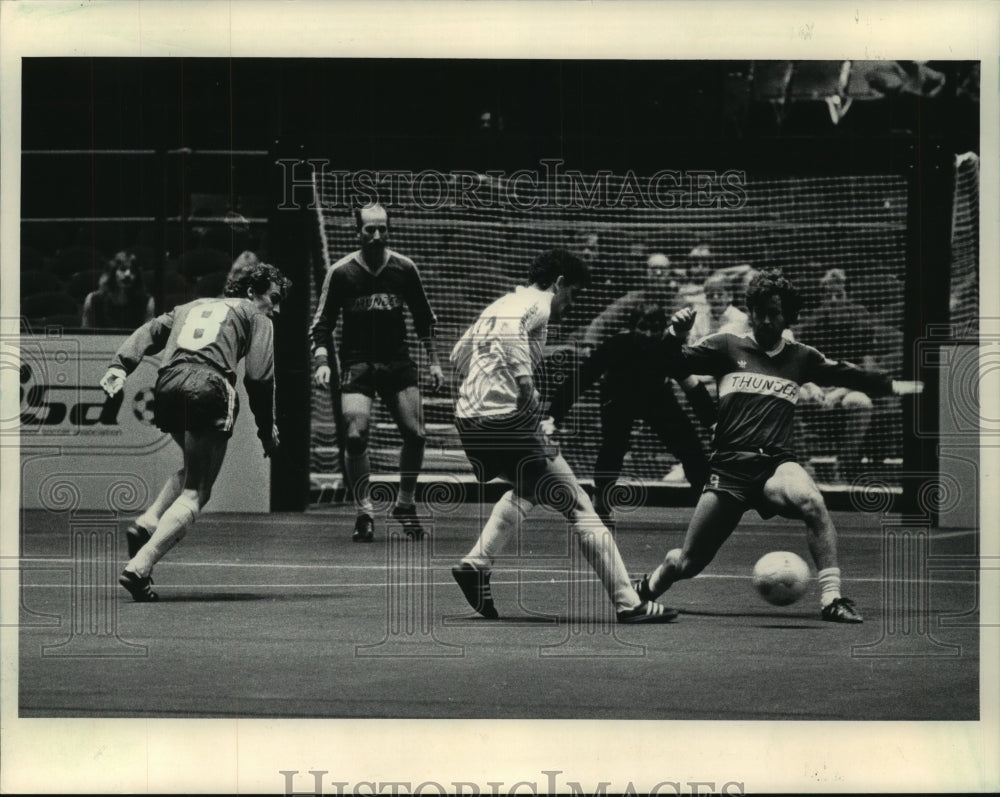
359	473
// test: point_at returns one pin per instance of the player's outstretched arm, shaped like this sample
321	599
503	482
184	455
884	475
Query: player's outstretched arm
434	369
150	338
271	443
321	367
113	380
585	372
681	322
700	400
528	399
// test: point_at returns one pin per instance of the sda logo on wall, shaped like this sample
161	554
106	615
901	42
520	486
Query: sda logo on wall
62	404
76	442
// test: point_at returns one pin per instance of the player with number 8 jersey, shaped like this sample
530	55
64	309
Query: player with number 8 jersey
195	401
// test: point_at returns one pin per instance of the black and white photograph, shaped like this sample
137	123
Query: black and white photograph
493	398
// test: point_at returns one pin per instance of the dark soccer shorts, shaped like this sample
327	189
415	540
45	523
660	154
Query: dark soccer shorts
510	446
742	475
194	398
386	379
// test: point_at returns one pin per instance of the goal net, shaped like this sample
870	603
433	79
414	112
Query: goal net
473	236
965	247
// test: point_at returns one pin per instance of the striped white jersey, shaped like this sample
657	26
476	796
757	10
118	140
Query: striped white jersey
507	341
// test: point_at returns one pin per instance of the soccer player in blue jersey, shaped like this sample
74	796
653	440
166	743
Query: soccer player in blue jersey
370	287
498	415
196	402
753	463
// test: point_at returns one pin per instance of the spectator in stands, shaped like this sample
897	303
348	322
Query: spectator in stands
121	300
723	315
843	331
661	285
691	293
587	246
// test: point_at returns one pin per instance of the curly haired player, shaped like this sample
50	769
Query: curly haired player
753	464
196	402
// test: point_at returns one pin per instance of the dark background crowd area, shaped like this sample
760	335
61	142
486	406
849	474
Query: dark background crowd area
174	159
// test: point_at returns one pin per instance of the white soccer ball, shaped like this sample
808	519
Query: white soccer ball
781	577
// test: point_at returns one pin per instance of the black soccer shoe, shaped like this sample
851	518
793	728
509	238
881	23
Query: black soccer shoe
139	588
135	537
364	529
647	612
475	586
641	586
407	516
841	610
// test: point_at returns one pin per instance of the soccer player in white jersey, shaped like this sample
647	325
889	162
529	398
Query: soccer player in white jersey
760	376
498	416
196	402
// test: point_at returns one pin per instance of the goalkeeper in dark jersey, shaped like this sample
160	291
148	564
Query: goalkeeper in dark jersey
196	402
637	384
370	287
753	464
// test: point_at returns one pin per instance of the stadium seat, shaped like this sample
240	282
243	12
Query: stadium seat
47	305
211	284
31	259
198	262
82	283
172	300
172	281
73	259
36	281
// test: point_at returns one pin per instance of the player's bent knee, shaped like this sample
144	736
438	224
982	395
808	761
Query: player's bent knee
811	505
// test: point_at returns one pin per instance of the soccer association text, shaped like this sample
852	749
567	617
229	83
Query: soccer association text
550	785
524	189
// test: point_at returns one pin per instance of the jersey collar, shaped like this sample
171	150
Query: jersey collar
360	260
773	352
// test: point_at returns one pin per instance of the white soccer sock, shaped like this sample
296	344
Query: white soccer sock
506	518
602	553
172	528
829	585
168	494
359	473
